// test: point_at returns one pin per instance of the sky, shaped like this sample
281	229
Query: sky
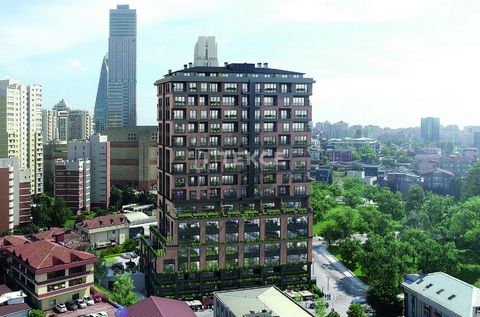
384	62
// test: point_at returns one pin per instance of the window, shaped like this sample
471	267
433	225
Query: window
270	114
192	86
178	114
257	101
192	127
214	87
214	114
299	190
301	88
296	126
179	128
178	141
298	101
300	139
301	114
230	114
284	88
191	101
178	87
203	114
203	87
244	101
268	101
228	101
286	102
215	127
228	127
228	179
229	87
179	101
179	168
202	100
214	101
270	88
179	155
230	140
269	140
269	127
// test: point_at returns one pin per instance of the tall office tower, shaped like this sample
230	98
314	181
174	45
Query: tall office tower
62	110
97	151
15	195
122	68
72	183
430	130
21	128
233	180
79	125
205	52
100	111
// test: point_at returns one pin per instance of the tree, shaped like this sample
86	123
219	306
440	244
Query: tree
36	313
147	198
455	189
349	249
439	258
123	290
41	209
356	310
341	222
129	245
333	313
375	221
116	197
101	270
471	185
59	213
415	198
390	203
320	310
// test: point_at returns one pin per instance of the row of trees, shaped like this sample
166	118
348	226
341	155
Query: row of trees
127	195
422	233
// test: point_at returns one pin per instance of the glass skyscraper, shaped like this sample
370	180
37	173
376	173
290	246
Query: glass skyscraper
122	68
100	112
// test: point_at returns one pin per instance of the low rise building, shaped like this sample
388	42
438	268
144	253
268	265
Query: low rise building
458	165
50	273
104	231
252	302
402	181
12	304
139	223
437	180
63	236
159	307
439	294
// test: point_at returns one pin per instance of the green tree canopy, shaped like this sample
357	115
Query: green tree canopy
123	290
471	185
356	310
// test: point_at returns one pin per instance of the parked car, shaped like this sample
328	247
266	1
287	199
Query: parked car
71	305
133	255
88	300
102	314
60	308
81	303
97	298
126	255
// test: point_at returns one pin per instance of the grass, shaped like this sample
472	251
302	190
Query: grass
110	259
103	290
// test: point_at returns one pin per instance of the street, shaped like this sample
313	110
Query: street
335	279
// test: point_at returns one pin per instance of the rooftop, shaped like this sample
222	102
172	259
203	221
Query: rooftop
159	307
445	290
103	221
44	254
245	301
52	233
6	310
12	240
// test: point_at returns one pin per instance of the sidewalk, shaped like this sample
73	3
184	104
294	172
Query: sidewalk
340	267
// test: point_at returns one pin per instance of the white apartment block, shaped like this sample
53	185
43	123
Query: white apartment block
97	150
21	128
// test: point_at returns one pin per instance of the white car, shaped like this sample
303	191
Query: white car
99	314
88	300
81	303
60	308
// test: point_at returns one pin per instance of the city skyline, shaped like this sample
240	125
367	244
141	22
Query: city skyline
376	58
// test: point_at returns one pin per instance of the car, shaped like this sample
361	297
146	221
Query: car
311	306
101	314
88	300
133	255
71	305
60	308
126	255
97	298
81	303
359	300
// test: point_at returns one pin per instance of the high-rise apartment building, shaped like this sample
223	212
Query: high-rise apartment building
430	130
122	68
233	180
15	195
205	52
97	150
100	111
21	128
79	125
72	183
476	139
62	123
133	152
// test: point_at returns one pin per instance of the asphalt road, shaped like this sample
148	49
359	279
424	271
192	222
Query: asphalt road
334	278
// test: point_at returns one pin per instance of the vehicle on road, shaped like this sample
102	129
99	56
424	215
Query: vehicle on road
360	300
60	308
71	305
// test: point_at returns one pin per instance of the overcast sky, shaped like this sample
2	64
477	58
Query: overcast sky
384	62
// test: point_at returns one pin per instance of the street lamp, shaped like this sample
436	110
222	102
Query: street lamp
328	283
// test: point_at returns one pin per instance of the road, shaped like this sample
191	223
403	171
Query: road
334	278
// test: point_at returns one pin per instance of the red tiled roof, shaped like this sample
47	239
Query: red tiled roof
44	254
160	307
50	234
11	309
9	241
103	221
